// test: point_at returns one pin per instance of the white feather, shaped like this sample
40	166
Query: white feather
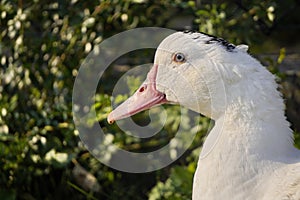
249	153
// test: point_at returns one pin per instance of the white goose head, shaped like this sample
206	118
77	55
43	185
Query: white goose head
215	78
190	69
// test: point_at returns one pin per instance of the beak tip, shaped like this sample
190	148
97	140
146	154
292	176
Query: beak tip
110	119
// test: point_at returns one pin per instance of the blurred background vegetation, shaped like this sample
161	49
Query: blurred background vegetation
43	43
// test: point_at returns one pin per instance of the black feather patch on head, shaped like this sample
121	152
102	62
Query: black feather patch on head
229	47
213	40
191	31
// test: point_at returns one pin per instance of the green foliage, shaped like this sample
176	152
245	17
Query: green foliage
245	22
42	44
178	186
273	64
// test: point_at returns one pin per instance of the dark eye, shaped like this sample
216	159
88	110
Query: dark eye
179	57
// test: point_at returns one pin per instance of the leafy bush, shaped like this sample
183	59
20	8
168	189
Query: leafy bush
178	186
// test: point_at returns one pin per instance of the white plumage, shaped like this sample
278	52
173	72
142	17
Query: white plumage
249	154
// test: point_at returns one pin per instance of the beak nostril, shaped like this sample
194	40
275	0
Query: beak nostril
142	89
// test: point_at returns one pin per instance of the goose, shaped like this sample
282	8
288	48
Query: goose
249	153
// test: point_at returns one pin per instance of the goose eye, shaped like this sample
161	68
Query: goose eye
179	57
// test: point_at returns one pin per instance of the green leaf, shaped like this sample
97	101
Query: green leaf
8	194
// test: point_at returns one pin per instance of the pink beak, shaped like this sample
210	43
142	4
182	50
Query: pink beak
144	98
